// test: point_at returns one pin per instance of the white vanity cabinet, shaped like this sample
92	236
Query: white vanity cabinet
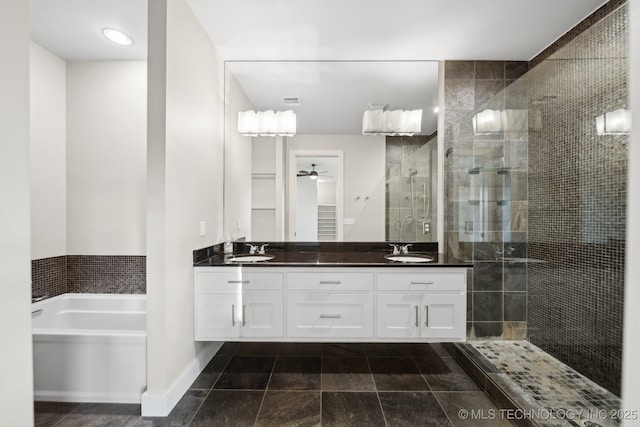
412	304
330	303
235	303
386	304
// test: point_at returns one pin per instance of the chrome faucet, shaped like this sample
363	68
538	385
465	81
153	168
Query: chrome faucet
405	248
257	249
396	248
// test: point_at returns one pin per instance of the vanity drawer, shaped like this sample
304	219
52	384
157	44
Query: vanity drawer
329	315
330	281
441	281
238	281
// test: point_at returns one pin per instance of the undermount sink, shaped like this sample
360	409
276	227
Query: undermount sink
409	258
250	258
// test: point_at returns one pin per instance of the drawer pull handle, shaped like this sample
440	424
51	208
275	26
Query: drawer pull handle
237	281
233	315
244	309
415	282
330	316
426	316
417	321
330	282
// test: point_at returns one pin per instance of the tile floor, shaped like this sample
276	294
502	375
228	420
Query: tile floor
307	384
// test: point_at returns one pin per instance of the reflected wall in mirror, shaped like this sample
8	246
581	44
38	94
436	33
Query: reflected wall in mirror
384	187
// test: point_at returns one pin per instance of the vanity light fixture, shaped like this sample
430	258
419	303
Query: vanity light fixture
118	37
378	121
267	123
616	122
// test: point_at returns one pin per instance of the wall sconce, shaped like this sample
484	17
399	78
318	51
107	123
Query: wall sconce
616	122
377	121
267	123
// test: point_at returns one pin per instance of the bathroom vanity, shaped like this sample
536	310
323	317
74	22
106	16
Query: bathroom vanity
331	296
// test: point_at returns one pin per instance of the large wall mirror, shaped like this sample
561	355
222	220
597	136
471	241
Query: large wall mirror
329	182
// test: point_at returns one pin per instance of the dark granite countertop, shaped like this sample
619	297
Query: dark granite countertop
323	255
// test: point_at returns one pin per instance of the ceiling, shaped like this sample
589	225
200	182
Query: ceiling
322	29
331	31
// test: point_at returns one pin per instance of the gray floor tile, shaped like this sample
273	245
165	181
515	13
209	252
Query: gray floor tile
351	409
228	408
290	408
246	372
397	373
49	413
301	349
470	408
296	373
346	373
343	350
211	372
412	409
446	376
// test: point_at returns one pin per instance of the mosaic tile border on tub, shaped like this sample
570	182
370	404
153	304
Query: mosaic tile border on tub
110	274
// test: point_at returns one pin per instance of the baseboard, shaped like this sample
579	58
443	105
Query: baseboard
161	404
99	397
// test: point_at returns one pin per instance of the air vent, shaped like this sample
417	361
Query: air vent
291	100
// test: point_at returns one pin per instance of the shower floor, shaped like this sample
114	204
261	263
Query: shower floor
549	392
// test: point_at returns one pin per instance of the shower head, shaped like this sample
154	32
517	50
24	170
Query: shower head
413	172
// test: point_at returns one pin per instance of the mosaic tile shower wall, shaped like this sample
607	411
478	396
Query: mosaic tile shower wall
411	162
577	202
486	190
119	274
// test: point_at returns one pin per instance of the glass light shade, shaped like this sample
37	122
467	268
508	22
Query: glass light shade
616	122
395	122
267	123
487	121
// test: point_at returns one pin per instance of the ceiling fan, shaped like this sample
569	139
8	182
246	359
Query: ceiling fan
312	174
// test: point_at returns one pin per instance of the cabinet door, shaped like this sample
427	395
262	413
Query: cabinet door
398	315
262	315
217	316
443	316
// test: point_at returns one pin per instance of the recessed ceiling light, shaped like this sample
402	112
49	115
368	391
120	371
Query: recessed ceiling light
118	37
436	110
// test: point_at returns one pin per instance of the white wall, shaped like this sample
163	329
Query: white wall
16	372
631	344
364	174
106	152
306	210
184	181
48	158
237	170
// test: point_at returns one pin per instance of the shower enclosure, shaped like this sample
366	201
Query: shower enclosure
535	190
410	188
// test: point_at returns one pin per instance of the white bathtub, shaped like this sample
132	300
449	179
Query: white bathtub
90	348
